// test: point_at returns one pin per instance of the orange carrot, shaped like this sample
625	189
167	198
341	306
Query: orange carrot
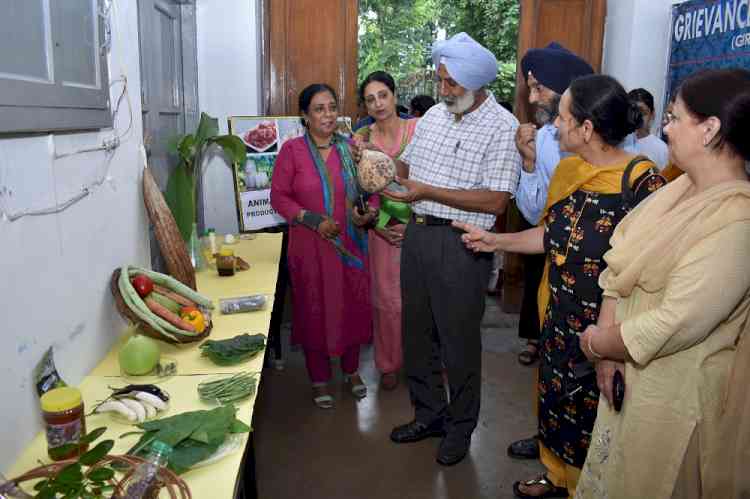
167	315
174	296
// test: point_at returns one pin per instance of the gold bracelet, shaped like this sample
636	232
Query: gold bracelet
591	349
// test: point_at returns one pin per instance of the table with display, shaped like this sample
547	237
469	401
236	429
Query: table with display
233	475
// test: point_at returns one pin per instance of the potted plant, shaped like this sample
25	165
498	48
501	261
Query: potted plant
191	150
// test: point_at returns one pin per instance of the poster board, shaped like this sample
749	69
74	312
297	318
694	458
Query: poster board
263	137
707	34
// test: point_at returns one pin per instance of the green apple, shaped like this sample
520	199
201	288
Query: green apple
139	355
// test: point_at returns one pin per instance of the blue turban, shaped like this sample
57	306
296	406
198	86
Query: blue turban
554	66
470	64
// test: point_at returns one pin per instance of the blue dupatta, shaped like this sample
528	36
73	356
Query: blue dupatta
349	175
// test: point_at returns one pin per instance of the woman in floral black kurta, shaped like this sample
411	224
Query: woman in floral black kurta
584	204
567	405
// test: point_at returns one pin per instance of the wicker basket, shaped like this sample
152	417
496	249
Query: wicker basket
167	234
128	314
168	480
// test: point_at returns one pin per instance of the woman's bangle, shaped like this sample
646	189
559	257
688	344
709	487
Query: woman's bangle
591	348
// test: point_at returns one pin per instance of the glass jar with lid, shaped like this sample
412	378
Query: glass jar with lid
225	262
65	424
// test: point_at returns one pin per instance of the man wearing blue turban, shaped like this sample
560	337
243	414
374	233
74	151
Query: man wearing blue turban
462	164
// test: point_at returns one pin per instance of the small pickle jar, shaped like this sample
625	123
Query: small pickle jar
225	262
63	414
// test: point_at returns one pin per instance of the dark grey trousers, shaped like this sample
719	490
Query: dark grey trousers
443	288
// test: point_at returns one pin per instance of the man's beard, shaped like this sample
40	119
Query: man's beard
459	105
546	112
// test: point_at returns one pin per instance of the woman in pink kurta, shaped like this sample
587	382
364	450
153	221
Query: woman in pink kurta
314	189
390	133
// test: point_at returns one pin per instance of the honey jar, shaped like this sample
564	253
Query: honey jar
225	262
65	425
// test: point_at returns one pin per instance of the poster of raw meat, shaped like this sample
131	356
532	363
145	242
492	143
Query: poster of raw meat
263	137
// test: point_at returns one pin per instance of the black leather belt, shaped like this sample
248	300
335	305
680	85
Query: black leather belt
429	220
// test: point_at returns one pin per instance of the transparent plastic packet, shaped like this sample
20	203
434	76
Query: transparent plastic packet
241	304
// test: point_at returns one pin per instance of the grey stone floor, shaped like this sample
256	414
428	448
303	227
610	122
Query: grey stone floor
304	452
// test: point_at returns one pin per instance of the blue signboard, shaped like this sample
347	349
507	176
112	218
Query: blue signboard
707	34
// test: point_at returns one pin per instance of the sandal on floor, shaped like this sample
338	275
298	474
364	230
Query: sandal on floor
322	400
529	355
550	490
358	389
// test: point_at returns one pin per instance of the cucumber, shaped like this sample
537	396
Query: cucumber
166	302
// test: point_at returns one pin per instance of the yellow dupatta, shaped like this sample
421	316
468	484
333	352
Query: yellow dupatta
572	174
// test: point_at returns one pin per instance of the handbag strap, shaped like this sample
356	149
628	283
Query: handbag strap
628	194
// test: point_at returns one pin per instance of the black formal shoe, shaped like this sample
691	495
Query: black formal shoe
527	448
453	448
416	431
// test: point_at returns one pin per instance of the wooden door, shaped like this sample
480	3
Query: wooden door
309	41
579	26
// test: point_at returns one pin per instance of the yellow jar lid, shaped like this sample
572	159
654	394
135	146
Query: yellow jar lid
226	252
61	399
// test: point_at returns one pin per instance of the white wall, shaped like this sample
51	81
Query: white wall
228	85
636	45
55	269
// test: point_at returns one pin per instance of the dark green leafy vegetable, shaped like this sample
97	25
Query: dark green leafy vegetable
193	435
234	350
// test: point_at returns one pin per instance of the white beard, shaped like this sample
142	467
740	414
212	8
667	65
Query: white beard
459	105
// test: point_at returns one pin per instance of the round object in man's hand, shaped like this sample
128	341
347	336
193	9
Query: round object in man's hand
375	171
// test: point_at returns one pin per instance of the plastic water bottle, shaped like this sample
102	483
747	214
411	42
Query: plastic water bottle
9	490
143	484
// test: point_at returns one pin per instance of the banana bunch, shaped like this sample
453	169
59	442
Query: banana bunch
136	403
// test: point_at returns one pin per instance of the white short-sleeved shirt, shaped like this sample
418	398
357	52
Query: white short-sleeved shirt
477	152
656	150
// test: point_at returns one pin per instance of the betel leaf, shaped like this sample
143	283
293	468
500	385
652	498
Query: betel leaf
190	452
239	427
193	435
97	453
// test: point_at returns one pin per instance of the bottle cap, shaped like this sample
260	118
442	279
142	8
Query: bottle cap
61	399
226	251
161	447
211	229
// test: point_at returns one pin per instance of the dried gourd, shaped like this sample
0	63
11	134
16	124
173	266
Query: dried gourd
375	171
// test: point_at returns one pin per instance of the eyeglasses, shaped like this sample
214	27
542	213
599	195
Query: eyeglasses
670	118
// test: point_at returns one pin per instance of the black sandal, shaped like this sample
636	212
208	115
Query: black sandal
550	489
529	356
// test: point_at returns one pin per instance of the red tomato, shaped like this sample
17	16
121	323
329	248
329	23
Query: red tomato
143	285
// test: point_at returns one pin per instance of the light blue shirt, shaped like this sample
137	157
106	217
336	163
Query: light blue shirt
531	196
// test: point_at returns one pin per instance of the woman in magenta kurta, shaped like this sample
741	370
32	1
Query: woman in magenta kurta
314	189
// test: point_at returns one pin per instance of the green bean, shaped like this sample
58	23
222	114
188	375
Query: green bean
235	387
174	285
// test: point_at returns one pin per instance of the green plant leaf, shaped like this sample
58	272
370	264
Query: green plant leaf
180	196
207	127
101	474
187	149
233	147
47	493
74	492
64	450
98	452
70	474
93	435
41	485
